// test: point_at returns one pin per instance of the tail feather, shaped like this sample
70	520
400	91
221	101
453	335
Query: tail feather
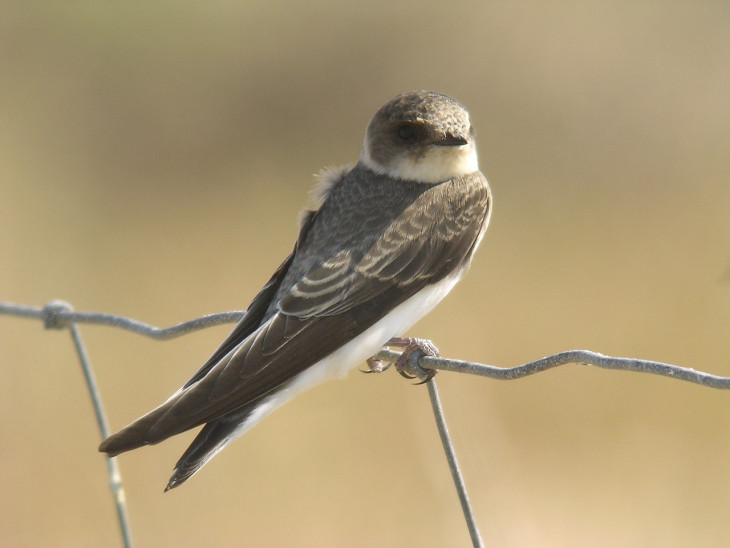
210	440
149	429
155	427
130	437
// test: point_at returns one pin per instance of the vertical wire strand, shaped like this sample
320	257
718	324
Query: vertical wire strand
438	412
115	477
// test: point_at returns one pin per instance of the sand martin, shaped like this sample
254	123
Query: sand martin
387	240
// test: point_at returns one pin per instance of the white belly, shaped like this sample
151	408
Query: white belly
356	351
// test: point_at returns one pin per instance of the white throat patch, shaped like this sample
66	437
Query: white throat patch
440	163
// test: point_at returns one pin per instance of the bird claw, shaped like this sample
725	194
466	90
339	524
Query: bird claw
375	366
407	363
412	348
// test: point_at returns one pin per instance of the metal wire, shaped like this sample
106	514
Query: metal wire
583	357
60	315
438	413
115	476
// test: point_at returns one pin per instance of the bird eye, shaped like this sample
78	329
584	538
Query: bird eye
406	132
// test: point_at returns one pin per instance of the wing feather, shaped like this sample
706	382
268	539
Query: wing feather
311	304
420	245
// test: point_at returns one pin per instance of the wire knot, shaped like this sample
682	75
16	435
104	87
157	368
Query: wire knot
55	315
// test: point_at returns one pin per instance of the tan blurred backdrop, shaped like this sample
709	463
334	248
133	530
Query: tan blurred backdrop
153	159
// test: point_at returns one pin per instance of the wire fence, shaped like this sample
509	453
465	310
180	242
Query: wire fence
60	315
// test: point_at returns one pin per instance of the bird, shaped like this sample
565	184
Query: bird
388	237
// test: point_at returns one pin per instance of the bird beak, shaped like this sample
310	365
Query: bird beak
451	141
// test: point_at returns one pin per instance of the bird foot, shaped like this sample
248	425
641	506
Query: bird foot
407	363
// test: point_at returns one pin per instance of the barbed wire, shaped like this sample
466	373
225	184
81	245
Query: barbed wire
60	315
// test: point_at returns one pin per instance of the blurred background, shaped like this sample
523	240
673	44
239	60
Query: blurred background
154	158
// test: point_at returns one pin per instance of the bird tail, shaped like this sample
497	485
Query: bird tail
154	427
135	435
210	440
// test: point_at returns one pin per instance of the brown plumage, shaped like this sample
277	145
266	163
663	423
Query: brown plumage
376	243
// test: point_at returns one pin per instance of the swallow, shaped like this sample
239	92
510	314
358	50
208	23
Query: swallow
388	238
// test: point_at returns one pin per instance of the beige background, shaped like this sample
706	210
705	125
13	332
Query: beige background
153	159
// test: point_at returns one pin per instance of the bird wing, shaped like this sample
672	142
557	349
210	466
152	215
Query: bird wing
256	311
421	246
332	303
